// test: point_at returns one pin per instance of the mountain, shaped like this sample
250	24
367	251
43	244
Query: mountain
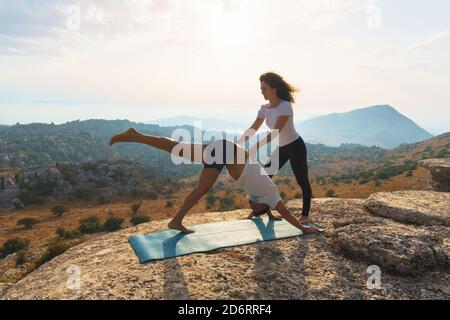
205	123
379	125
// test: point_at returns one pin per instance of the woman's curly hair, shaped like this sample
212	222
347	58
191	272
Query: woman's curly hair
285	90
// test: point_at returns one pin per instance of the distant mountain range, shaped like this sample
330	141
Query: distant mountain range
205	123
379	125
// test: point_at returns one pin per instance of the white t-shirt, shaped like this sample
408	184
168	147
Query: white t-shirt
288	133
260	188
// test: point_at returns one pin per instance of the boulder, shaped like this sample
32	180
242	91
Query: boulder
418	207
394	247
440	173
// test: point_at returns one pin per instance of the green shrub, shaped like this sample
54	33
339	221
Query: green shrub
298	195
21	257
152	195
55	249
102	200
442	153
28	197
45	188
211	199
226	203
58	210
135	207
409	173
83	193
169	204
27	222
64	234
330	193
137	192
13	245
138	219
101	183
113	224
90	225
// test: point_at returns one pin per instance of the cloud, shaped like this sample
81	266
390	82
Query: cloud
421	54
30	27
320	14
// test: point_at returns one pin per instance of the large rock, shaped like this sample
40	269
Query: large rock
418	207
440	173
394	247
307	267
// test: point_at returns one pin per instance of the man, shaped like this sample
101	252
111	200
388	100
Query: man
262	192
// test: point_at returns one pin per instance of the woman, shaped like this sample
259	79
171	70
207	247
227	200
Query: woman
278	115
214	156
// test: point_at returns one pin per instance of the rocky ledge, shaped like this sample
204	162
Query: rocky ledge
411	254
440	173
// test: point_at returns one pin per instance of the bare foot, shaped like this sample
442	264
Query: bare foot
124	136
303	219
178	226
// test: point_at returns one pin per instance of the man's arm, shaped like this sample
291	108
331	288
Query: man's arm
284	212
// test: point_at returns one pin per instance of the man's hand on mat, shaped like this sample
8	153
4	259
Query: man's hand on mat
272	217
178	226
250	216
310	229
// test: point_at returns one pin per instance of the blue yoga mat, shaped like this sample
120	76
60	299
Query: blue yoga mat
208	237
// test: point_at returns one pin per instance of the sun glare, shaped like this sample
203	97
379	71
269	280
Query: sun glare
229	29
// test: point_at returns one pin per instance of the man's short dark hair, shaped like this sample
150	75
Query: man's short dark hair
259	212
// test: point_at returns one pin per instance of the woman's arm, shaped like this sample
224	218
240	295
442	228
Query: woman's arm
284	212
251	131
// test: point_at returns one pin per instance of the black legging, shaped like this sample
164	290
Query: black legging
296	153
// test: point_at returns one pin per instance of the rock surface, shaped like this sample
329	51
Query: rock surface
413	260
418	207
440	173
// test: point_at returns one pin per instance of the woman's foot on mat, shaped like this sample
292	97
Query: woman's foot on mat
178	226
124	136
304	219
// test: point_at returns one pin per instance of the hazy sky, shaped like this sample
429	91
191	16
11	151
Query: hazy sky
140	60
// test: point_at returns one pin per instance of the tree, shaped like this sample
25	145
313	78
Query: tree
113	224
138	219
13	245
330	193
169	204
90	225
135	207
27	222
211	199
58	210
